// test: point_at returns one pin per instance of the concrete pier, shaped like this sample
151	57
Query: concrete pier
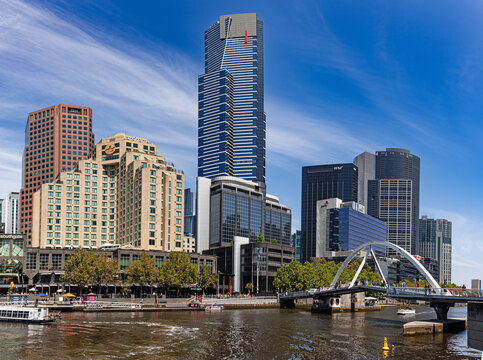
475	325
426	327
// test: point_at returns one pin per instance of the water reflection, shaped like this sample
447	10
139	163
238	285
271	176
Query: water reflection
240	334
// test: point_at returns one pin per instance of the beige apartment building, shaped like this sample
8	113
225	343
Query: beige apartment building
124	193
189	244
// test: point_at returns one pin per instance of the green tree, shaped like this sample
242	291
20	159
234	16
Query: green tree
142	271
80	269
177	271
105	270
249	287
260	238
206	278
126	289
291	277
274	241
320	273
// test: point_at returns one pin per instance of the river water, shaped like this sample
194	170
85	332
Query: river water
230	334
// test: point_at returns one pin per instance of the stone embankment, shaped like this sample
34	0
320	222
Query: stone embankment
243	302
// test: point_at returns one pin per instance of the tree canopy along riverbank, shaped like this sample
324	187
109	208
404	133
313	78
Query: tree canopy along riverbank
299	277
84	268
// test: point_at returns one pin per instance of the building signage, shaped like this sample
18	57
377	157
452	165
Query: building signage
74	111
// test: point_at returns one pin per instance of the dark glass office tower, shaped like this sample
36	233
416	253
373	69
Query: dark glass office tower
231	117
322	182
435	244
397	164
189	223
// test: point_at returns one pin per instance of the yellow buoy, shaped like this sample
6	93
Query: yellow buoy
385	347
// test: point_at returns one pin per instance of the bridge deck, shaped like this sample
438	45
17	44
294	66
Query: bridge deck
433	295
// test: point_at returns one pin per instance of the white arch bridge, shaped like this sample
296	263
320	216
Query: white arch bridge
440	299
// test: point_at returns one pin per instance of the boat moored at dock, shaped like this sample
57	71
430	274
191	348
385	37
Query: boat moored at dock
26	314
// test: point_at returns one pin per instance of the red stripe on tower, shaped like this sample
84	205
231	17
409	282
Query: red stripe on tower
246	36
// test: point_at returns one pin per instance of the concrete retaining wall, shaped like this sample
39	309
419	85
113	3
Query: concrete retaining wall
475	325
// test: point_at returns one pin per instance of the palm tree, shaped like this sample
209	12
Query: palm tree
249	287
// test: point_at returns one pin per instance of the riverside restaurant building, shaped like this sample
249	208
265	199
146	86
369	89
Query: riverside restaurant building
42	268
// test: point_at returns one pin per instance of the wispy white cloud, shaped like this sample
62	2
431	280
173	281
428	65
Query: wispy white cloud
46	59
295	136
10	162
386	89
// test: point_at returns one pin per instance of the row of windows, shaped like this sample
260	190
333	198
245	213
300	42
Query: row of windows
14	314
73	117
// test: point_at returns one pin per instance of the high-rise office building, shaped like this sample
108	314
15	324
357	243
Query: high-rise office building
295	243
476	284
394	196
229	206
231	115
231	214
397	163
343	226
56	138
366	164
239	208
11	212
318	183
189	222
125	194
391	201
435	243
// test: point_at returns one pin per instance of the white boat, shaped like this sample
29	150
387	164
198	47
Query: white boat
26	314
213	308
406	311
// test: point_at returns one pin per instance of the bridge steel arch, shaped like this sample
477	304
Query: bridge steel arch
400	250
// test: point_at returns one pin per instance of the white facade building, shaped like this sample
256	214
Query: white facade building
11	212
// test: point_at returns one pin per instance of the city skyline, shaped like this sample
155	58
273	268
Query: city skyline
293	140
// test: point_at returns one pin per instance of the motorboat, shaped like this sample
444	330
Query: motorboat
213	308
406	311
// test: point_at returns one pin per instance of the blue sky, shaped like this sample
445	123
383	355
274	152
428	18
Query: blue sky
341	77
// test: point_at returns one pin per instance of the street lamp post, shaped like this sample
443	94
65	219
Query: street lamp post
258	268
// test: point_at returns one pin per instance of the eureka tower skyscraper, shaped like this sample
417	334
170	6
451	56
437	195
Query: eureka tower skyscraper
231	116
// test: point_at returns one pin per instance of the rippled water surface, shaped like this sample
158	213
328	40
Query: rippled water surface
230	334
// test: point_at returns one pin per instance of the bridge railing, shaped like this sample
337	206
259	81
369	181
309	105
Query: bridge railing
434	292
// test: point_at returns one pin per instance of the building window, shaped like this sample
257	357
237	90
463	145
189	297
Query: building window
56	261
44	262
124	263
31	261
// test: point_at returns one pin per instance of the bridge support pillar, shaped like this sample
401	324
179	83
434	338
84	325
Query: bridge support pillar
475	325
441	310
287	303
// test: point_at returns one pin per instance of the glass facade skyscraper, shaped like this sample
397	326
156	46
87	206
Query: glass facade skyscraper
346	226
189	223
391	201
240	209
394	196
318	183
435	243
296	238
231	116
